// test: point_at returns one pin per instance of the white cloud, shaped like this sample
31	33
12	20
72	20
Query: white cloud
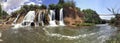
107	17
12	5
30	3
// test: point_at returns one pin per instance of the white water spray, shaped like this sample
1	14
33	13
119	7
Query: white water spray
61	23
52	18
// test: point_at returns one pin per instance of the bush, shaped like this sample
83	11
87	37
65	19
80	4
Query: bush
69	4
43	7
2	13
85	24
52	6
91	16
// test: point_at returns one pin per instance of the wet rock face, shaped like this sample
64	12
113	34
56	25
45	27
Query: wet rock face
72	16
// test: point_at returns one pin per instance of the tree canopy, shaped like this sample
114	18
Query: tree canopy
91	16
2	12
61	2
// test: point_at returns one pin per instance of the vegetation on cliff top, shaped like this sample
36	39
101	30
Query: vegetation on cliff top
116	20
25	8
3	14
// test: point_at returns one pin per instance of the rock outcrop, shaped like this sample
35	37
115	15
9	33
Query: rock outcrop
72	16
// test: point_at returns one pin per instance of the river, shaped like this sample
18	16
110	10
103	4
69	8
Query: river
101	33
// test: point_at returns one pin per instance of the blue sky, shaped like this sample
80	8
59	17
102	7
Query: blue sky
47	2
100	6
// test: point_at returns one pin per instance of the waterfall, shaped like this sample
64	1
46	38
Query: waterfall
52	18
40	18
28	19
16	18
61	23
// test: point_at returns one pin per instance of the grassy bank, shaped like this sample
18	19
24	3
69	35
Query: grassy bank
85	24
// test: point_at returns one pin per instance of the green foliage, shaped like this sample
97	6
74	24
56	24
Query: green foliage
52	6
2	13
61	2
58	6
91	16
85	24
112	21
25	8
115	12
78	9
43	7
0	9
69	4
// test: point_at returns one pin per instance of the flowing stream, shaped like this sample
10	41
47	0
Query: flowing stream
61	23
94	34
52	18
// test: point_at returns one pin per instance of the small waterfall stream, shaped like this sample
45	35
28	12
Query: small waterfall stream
16	18
40	18
61	23
52	18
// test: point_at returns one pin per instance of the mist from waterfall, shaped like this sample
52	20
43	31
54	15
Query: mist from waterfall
61	23
52	18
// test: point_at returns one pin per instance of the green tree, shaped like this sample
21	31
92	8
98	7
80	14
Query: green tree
2	12
91	16
116	13
52	6
43	7
61	2
69	3
78	9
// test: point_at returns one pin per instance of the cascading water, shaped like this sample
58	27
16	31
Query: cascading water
28	19
52	18
40	18
61	23
16	19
